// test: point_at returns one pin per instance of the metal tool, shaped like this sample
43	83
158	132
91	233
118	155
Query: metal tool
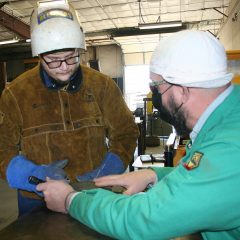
34	180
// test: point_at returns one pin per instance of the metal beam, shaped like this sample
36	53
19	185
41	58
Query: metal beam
15	51
15	25
132	31
121	32
220	12
2	4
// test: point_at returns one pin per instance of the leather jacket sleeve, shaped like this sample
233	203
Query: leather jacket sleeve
122	130
10	128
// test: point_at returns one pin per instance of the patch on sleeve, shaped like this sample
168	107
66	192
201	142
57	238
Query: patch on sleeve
194	161
1	117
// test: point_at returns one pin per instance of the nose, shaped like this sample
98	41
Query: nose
64	65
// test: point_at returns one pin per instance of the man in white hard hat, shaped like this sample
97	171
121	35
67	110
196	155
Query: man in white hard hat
61	114
192	90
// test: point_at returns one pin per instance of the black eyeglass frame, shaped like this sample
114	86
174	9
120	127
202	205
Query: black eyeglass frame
61	61
154	84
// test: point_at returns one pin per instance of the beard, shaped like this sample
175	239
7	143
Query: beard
174	117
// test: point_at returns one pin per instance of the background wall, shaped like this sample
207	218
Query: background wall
230	32
138	58
109	59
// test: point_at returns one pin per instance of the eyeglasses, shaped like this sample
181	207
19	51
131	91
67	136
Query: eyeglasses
58	63
153	85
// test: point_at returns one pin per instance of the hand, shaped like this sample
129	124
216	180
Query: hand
20	169
111	164
134	182
55	193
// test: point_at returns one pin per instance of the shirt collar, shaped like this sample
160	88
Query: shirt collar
72	87
208	111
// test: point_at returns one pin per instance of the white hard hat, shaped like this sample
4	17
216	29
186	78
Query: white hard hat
191	58
54	26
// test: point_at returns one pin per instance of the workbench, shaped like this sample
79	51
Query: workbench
44	224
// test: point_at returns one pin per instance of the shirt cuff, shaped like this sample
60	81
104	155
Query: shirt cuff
71	198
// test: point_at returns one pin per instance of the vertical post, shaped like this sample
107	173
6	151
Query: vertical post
3	76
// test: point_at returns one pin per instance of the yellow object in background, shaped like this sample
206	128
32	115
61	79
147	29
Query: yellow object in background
236	79
149	104
233	57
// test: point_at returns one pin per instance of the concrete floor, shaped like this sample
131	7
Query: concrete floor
8	204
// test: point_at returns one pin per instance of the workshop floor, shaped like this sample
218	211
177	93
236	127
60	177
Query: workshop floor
8	204
8	196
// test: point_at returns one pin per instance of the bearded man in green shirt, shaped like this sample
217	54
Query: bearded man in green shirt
192	91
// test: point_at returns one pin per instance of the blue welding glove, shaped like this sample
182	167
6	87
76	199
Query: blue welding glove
20	169
111	164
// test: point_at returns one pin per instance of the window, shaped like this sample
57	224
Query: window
136	85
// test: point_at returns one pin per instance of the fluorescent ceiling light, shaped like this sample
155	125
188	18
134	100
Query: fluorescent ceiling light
9	41
159	25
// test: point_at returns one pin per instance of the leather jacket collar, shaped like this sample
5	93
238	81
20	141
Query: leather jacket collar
72	86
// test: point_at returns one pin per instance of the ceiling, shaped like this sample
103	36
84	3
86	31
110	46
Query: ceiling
116	21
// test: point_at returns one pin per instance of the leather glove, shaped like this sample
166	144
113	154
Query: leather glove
20	169
111	164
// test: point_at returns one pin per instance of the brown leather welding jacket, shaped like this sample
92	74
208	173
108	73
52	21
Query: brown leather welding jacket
47	125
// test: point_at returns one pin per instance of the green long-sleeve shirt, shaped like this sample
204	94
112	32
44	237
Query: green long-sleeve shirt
200	195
